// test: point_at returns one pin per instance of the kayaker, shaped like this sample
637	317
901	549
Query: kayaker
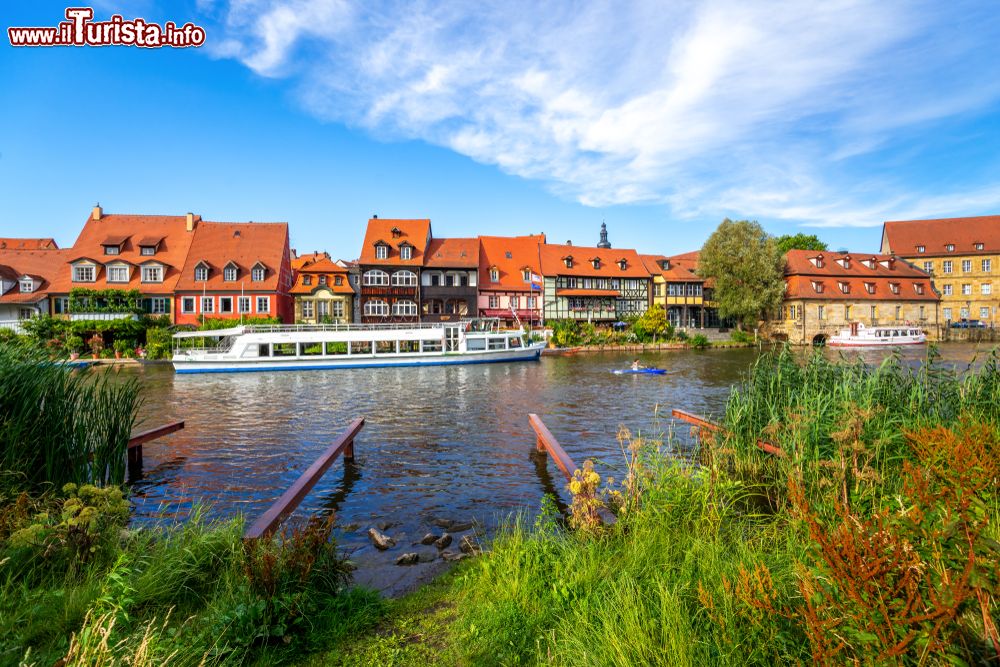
636	366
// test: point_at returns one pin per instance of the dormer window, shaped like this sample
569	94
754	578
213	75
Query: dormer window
201	272
406	251
622	264
230	273
526	275
396	232
870	263
665	265
845	262
817	286
27	285
508	255
845	287
307	280
894	288
921	249
950	247
870	288
817	261
117	273
147	250
322	281
596	262
112	250
338	280
257	273
568	261
152	273
978	246
84	273
381	251
494	274
918	288
889	263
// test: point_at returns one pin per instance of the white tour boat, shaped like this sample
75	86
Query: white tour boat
281	347
861	336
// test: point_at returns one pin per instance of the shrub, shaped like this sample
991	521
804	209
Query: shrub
740	336
698	341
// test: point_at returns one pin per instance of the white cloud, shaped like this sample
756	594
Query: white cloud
762	108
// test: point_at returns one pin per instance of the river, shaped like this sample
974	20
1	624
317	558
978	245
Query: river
448	442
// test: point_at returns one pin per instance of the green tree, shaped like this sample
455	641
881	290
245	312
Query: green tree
799	241
652	325
748	270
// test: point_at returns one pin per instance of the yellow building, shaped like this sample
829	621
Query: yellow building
962	255
322	291
683	294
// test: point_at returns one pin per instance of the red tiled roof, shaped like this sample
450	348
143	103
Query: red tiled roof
7	243
802	287
902	237
172	251
509	255
41	264
301	261
452	253
244	243
415	232
321	267
800	262
676	273
552	257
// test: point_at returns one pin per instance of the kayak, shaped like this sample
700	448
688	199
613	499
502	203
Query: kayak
640	371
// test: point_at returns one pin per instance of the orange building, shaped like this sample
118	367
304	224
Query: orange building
322	290
391	258
26	277
506	266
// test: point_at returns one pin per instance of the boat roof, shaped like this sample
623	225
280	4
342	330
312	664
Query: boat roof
210	333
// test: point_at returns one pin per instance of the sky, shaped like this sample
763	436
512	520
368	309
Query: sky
659	118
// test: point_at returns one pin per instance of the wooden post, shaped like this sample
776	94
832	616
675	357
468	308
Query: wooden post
701	422
136	441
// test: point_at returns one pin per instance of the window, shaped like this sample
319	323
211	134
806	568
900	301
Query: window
622	264
964	313
874	313
307	309
263	304
966	289
526	275
322	281
987	265
821	312
817	286
986	288
870	288
27	286
207	304
376	307
596	262
947	313
404	279
515	302
928	267
494	275
61	305
243	304
792	312
899	312
966	265
375	278
118	274
946	266
845	287
946	290
158	305
918	288
257	275
569	262
494	301
225	304
979	246
152	274
322	309
950	247
847	311
338	280
921	248
111	250
187	304
406	252
83	274
404	308
894	288
337	308
147	250
381	251
923	315
201	273
229	274
307	280
984	313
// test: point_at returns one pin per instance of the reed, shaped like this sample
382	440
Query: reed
59	425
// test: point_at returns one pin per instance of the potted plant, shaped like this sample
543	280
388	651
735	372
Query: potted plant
96	345
74	344
122	348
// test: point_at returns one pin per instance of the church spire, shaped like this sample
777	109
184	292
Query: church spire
604	243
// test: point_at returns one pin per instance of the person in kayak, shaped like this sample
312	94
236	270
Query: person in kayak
636	366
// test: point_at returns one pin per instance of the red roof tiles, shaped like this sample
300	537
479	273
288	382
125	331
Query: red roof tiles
509	255
322	267
42	264
674	273
452	253
27	244
396	233
553	262
810	274
246	244
902	237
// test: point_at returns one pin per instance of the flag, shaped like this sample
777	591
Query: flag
535	278
535	285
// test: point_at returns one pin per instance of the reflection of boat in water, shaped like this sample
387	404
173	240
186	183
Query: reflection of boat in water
323	346
640	371
861	336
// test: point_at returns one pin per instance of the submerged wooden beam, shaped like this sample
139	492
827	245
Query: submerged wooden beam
136	441
269	521
701	422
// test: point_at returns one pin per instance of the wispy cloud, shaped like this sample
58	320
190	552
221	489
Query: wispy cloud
770	109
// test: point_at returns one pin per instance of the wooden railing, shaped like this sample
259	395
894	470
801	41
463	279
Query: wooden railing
546	442
136	442
269	521
701	422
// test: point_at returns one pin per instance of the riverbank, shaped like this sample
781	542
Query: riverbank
652	347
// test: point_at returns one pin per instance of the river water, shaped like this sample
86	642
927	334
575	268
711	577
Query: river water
440	442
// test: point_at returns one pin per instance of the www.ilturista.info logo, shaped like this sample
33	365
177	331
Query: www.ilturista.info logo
81	30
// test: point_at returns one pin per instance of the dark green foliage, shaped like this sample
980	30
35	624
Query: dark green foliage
652	325
83	300
799	241
211	323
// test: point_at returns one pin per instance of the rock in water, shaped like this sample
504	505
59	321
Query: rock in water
380	540
468	545
460	526
429	538
408	559
442	541
442	523
450	555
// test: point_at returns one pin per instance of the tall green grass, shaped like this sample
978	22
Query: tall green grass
59	425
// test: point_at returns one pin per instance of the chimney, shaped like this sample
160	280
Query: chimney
97	212
374	216
192	220
569	243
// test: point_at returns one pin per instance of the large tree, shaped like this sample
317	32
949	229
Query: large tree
799	241
748	270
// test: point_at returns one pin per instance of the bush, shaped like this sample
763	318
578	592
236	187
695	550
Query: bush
698	341
739	336
212	323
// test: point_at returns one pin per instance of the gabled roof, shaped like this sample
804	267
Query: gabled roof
510	255
7	243
323	267
300	261
676	272
42	265
244	243
552	262
175	241
901	237
416	232
801	287
802	275
452	253
798	262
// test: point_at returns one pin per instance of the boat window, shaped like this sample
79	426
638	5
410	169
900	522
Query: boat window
310	349
498	343
515	342
263	350
336	348
431	346
385	347
409	346
284	349
472	344
361	347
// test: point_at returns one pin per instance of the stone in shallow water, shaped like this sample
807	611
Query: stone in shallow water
442	541
468	545
459	526
452	556
381	540
442	523
408	559
429	538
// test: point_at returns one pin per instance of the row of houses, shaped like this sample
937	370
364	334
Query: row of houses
929	273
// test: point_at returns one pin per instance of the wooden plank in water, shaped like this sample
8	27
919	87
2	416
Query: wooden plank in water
701	422
138	439
269	521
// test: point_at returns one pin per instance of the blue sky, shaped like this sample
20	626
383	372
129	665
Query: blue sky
500	117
